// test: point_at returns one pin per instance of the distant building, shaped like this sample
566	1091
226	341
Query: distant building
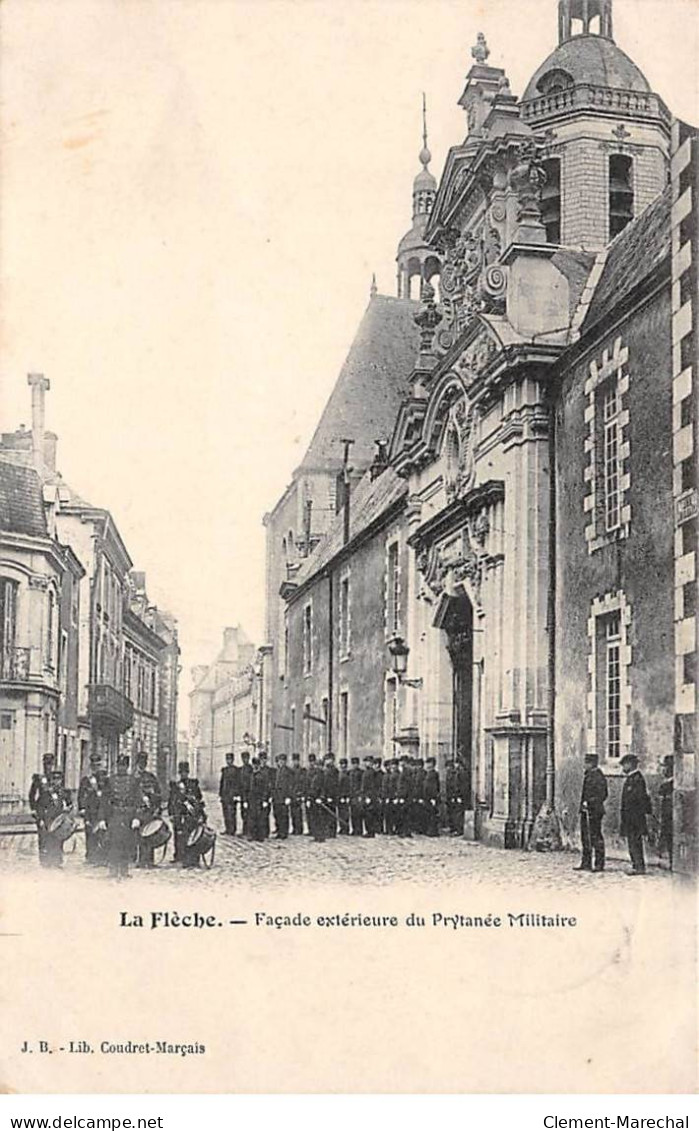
224	706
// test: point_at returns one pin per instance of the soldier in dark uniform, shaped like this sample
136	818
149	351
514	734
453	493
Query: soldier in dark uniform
150	805
331	776
404	797
282	796
379	776
343	800
594	795
298	795
635	807
355	795
49	798
265	793
245	776
370	799
186	808
121	799
89	807
229	793
389	797
417	806
39	783
455	797
315	792
431	795
666	790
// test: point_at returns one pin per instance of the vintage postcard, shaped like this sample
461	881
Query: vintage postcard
348	546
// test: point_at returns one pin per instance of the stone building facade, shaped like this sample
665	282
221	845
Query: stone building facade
224	706
539	486
103	651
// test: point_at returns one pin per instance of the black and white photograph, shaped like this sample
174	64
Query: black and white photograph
348	545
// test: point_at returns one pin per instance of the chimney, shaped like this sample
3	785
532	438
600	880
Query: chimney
39	386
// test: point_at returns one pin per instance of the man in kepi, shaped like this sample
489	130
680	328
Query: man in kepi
89	806
635	807
229	792
149	805
120	811
666	790
594	795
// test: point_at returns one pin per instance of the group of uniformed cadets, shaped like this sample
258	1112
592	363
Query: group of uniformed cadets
115	809
397	797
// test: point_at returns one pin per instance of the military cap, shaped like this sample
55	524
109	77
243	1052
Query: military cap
142	759
311	759
49	759
629	760
354	761
281	758
343	761
295	757
95	756
431	761
183	767
591	759
122	760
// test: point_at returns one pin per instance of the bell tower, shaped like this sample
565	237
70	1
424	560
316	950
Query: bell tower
417	261
584	17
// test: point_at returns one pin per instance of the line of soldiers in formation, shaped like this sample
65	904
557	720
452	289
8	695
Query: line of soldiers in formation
398	796
122	815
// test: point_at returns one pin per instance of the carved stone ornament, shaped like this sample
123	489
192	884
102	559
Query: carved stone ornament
476	357
36	581
527	179
459	466
445	565
493	288
480	528
464	287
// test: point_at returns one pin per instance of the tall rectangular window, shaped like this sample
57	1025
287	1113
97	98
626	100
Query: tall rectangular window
621	202
393	590
8	625
344	724
307	729
391	717
307	639
292	732
551	200
345	616
325	715
613	687
610	455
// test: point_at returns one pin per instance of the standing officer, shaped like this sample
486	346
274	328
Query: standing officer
265	792
594	795
49	799
455	797
315	792
343	800
389	793
89	805
666	790
229	793
298	795
282	796
431	796
380	778
245	776
355	796
331	777
121	801
404	797
149	806
418	821
635	807
370	799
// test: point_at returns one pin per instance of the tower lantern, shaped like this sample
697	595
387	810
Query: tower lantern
584	17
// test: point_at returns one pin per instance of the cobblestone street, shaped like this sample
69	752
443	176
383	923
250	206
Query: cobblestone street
382	861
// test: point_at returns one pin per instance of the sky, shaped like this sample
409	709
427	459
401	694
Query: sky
193	197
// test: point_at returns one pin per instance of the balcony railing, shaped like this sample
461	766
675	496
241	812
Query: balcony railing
14	664
585	96
109	706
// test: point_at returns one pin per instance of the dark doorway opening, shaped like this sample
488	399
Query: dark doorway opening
457	623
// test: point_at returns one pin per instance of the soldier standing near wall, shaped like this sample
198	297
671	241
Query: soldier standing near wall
298	795
404	797
245	779
343	801
355	793
635	807
282	794
315	793
370	800
229	793
121	801
666	791
89	806
594	795
149	806
50	800
331	791
431	795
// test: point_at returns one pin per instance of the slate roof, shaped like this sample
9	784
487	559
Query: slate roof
591	59
372	382
370	500
632	256
576	266
21	501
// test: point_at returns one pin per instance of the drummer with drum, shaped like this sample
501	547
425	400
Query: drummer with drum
150	803
51	803
121	800
186	807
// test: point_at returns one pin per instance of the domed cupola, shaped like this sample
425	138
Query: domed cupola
608	132
417	261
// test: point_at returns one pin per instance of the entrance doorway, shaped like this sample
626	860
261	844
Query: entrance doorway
457	624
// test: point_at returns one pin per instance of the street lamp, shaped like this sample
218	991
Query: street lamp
399	652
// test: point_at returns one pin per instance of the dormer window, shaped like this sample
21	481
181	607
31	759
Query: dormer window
620	193
555	81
